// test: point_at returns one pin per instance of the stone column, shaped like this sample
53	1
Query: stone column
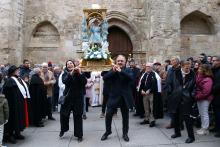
5	21
16	32
11	36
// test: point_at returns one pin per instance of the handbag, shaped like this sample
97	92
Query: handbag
61	100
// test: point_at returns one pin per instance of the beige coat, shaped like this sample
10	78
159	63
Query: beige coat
49	81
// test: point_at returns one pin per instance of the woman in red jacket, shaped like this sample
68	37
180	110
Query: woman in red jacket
204	95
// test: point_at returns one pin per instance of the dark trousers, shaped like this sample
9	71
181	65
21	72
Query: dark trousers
105	99
217	118
55	100
188	121
125	117
77	120
49	106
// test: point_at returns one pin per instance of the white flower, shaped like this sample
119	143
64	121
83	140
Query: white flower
95	53
91	56
99	56
105	56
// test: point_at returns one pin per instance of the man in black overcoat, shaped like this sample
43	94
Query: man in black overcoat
181	99
120	95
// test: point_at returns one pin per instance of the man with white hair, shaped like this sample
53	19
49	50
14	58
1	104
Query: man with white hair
175	62
49	81
148	87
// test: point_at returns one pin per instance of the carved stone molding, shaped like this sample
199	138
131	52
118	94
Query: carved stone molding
120	20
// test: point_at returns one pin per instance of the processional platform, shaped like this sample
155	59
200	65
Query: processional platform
94	41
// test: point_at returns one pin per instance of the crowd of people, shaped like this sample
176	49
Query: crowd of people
187	90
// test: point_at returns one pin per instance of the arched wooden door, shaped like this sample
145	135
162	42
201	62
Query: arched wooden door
119	42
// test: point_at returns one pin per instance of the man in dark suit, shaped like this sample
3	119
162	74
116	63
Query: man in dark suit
120	95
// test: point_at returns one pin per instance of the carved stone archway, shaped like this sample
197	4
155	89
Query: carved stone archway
121	21
39	48
35	21
197	33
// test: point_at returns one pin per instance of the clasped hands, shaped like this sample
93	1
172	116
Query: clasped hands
76	70
145	93
116	68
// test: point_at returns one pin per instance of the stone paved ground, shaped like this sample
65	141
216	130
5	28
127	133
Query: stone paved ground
140	136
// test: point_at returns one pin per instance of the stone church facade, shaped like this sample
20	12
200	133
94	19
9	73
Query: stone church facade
149	30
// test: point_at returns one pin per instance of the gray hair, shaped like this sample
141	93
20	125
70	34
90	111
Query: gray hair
44	64
177	58
37	70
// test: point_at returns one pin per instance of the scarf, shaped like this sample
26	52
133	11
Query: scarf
22	87
184	73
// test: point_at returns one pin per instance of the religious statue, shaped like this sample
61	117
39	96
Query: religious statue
95	30
94	37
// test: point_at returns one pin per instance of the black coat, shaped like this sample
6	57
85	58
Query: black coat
120	86
168	87
183	93
38	93
106	85
24	72
216	87
135	73
74	91
16	121
150	83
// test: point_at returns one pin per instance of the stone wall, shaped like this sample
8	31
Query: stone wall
206	41
5	21
50	30
164	33
11	34
67	15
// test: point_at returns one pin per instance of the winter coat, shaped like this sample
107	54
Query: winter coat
204	88
24	72
74	92
121	86
182	96
49	81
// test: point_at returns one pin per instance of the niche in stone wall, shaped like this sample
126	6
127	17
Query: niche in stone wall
197	23
45	35
44	44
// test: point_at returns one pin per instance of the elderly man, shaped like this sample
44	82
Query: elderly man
175	62
49	81
147	88
120	95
